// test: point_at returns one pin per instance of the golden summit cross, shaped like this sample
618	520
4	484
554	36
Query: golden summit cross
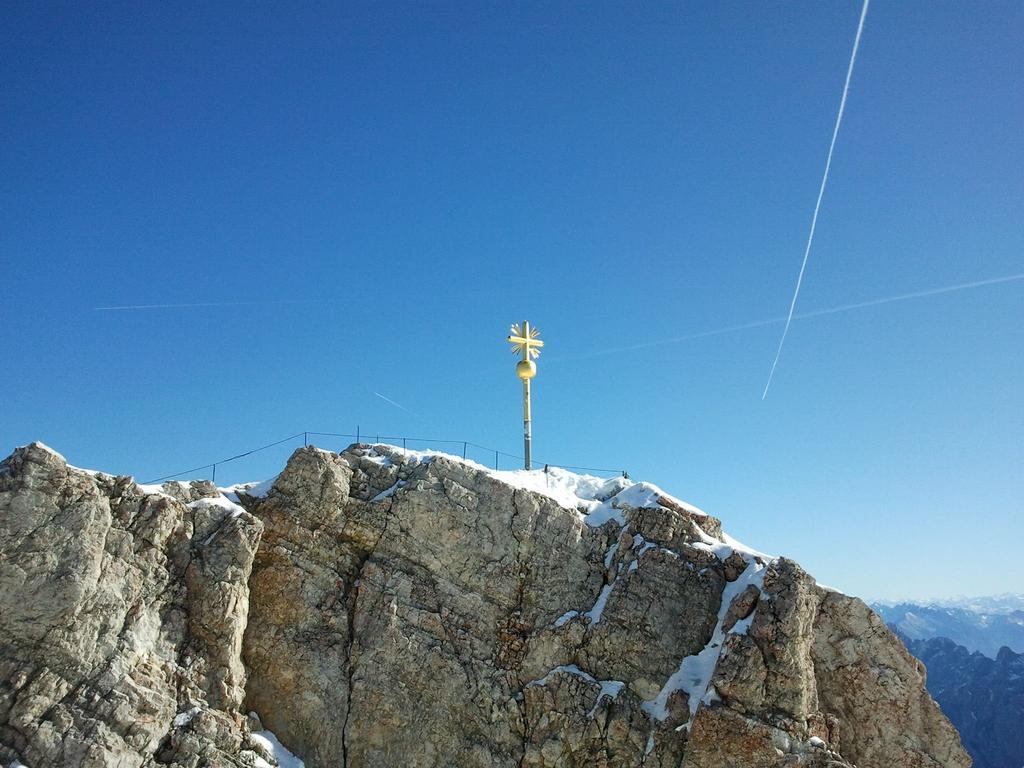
526	340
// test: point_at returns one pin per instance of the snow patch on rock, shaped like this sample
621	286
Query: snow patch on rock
221	502
184	718
610	689
694	674
278	751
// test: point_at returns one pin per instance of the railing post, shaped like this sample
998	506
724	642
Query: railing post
214	474
495	459
464	446
305	438
357	433
403	443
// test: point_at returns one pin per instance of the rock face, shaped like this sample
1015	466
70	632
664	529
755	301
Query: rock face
380	608
121	610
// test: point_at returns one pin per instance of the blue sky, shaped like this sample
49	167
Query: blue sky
391	185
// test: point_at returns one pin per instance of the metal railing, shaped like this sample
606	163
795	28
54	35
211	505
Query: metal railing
360	436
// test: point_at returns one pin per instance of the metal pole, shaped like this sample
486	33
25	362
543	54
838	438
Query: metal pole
464	445
527	436
525	339
495	459
305	438
357	433
214	474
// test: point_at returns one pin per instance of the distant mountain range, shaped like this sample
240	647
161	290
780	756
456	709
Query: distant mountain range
982	697
983	624
973	649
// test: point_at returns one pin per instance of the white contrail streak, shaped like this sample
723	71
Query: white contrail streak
204	304
672	340
798	316
389	400
821	193
914	295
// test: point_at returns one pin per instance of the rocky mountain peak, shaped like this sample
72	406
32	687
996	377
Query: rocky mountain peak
381	607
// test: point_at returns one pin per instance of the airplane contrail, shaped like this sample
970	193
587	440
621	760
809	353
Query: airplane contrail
671	340
914	295
821	193
389	400
205	304
798	316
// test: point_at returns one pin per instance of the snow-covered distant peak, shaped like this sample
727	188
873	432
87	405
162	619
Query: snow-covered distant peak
1007	602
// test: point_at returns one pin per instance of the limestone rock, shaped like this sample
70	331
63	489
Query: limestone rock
380	608
119	611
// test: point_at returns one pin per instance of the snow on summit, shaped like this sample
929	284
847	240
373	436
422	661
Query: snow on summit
597	499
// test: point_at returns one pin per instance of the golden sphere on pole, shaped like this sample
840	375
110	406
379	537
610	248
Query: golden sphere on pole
526	369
